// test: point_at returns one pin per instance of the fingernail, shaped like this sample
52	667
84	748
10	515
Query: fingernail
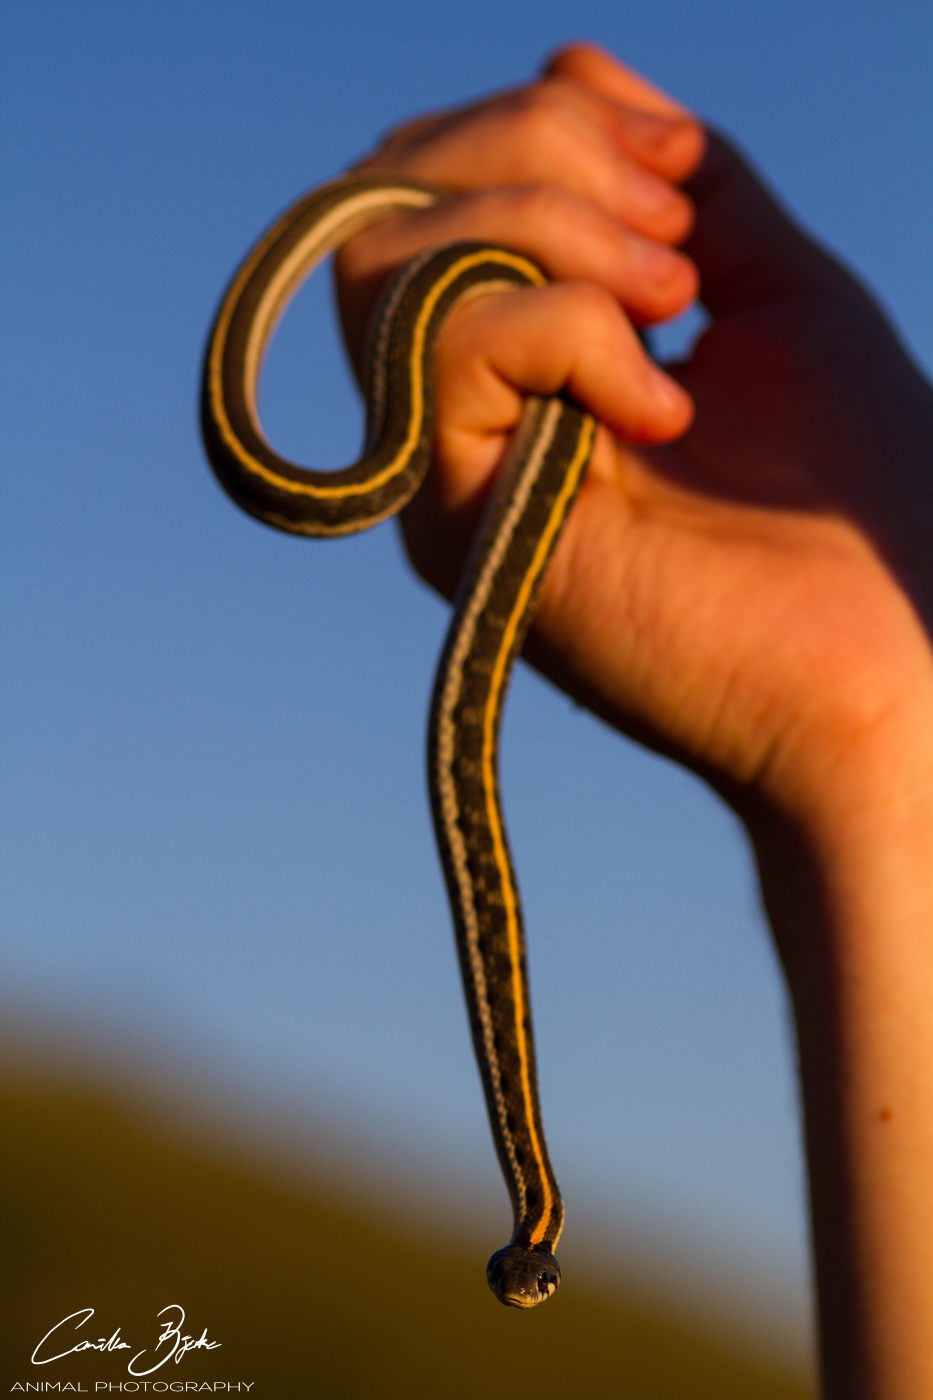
656	262
651	193
652	128
666	393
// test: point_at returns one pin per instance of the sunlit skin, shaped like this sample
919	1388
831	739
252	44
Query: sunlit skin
742	584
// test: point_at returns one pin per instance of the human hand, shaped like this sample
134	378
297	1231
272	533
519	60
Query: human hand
582	177
780	515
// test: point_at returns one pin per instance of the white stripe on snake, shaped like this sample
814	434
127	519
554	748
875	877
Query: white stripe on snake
535	489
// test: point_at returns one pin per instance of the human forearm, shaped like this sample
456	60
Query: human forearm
851	902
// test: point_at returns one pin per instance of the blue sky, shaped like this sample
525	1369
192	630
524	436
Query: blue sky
216	839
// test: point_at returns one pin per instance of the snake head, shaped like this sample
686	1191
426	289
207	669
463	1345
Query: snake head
522	1278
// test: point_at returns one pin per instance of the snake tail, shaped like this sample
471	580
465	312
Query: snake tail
536	488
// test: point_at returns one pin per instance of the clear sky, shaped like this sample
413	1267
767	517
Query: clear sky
216	839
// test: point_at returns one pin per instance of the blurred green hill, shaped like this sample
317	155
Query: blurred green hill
306	1296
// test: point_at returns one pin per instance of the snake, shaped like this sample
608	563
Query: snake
535	488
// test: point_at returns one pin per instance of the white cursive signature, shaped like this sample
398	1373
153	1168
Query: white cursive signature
180	1344
171	1332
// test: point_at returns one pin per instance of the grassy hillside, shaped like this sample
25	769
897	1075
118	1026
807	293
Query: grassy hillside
306	1298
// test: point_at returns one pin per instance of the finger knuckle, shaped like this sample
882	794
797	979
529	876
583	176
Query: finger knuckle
541	206
536	118
593	305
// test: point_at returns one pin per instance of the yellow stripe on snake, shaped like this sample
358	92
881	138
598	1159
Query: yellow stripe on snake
536	487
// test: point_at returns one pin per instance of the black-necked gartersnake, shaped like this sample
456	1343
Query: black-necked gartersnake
536	487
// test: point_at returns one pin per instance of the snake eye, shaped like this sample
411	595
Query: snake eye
543	1281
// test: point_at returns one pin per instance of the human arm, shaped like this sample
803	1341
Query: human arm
749	599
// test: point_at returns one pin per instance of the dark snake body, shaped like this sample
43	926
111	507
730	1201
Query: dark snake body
535	489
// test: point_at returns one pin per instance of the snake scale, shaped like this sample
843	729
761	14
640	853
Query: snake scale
535	490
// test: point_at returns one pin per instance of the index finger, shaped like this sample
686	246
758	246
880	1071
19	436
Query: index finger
556	133
600	70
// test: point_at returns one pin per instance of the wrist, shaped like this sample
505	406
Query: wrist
846	852
852	770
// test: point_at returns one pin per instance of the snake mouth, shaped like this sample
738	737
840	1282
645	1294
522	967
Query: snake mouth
527	1300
